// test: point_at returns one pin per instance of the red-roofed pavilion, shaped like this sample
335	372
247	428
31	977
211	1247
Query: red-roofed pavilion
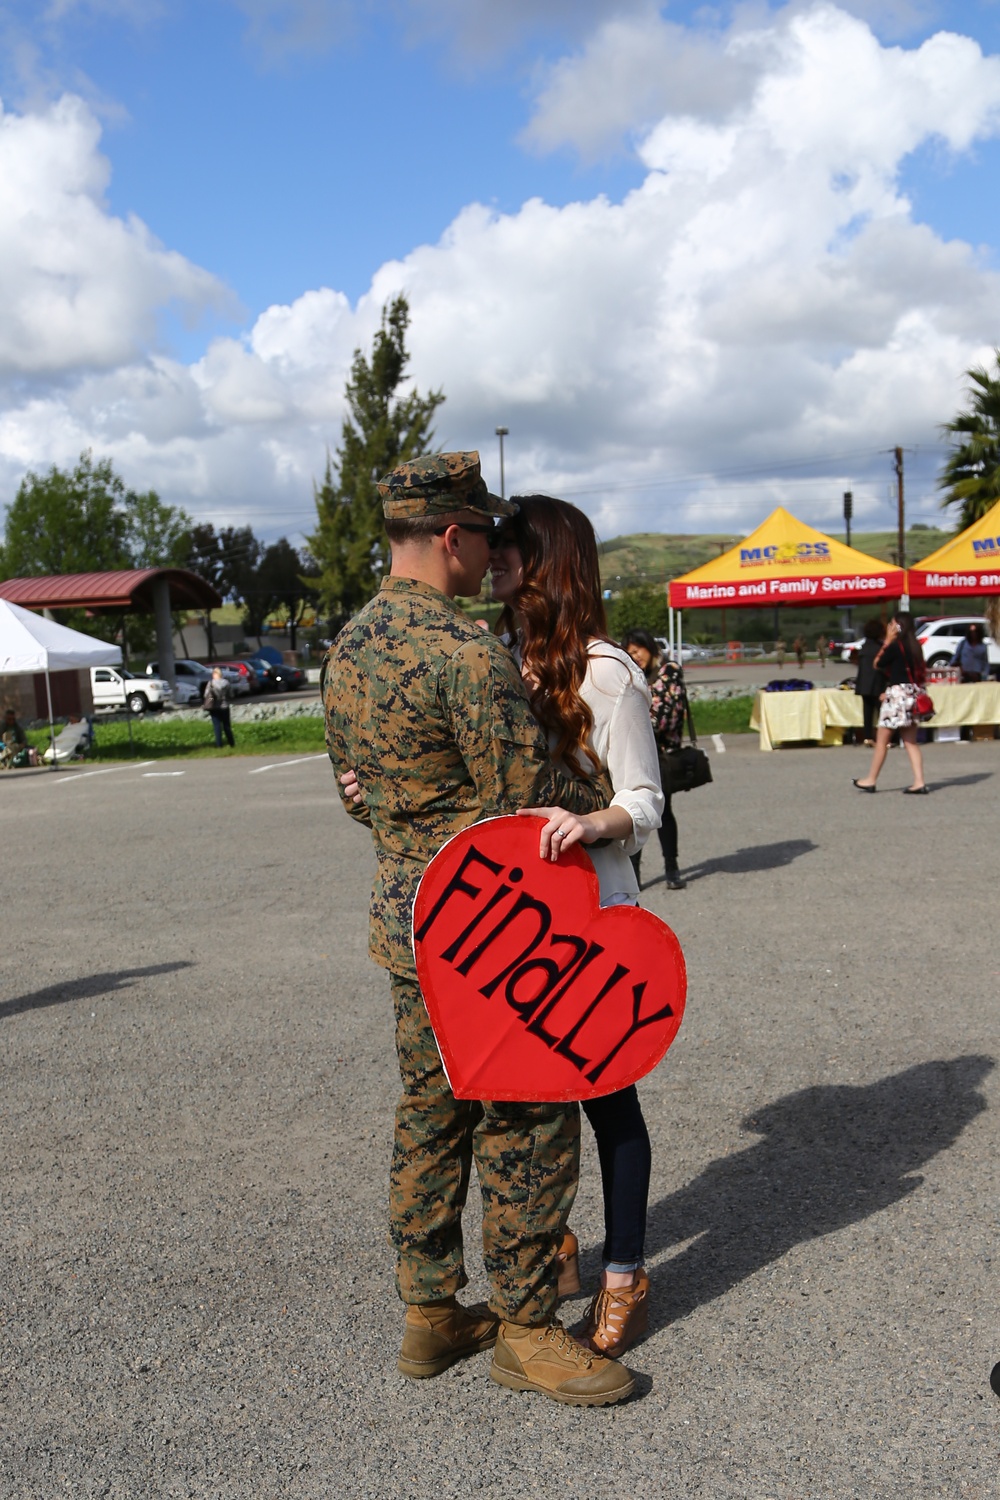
130	590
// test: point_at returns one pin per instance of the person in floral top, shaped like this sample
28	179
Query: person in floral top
668	711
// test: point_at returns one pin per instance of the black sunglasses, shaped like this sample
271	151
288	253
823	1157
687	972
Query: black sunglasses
490	532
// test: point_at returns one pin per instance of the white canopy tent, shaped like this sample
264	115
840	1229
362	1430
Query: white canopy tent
30	643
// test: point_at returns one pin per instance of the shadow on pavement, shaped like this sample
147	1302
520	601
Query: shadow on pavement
85	988
831	1155
941	782
750	861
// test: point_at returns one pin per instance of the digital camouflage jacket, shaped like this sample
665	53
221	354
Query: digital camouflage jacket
431	712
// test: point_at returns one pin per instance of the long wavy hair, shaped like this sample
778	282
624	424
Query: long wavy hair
909	645
558	611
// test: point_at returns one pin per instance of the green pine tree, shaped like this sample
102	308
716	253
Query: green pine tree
384	429
971	475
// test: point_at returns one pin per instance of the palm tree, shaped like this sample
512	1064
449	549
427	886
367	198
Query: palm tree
971	475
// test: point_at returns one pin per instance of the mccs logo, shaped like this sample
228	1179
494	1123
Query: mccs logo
787	554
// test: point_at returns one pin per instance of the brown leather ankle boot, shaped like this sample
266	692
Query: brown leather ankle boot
617	1317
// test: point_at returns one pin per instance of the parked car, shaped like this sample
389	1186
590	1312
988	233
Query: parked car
188	691
688	652
278	675
249	678
192	670
940	638
198	673
844	649
117	687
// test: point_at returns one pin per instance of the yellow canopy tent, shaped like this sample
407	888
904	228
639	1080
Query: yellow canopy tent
786	562
968	565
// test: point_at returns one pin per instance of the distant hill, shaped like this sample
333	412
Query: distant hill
650	557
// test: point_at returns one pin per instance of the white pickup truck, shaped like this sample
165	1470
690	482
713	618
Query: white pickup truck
117	687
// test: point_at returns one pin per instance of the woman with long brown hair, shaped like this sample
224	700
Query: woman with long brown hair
594	703
901	661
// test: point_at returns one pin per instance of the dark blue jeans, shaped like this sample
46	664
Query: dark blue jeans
625	1156
221	725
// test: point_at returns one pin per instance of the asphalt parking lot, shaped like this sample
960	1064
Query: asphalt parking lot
198	1084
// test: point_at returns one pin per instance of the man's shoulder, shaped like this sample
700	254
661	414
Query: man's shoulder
414	623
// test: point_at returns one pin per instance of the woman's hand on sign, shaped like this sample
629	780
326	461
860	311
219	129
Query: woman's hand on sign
352	791
562	829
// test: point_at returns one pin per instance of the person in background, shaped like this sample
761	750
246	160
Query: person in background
668	710
799	647
218	696
972	657
822	645
779	650
13	744
870	684
902	661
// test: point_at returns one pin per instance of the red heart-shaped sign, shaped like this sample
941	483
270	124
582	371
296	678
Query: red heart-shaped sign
534	991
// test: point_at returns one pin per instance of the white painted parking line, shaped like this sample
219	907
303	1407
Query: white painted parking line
162	773
277	764
105	771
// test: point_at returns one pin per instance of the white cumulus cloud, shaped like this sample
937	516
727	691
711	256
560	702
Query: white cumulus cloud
764	299
81	288
632	70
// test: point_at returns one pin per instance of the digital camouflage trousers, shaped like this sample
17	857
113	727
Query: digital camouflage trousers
527	1157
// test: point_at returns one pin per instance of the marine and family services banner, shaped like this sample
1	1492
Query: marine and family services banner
966	566
787	562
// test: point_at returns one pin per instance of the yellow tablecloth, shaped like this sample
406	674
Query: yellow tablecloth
780	717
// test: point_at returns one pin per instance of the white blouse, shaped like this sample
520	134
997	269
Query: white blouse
617	695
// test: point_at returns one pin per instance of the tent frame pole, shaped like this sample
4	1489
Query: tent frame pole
52	727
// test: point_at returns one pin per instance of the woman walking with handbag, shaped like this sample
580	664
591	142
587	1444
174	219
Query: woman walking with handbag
902	662
594	703
668	710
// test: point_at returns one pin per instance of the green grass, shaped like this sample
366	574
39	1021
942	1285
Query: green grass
157	740
724	716
161	740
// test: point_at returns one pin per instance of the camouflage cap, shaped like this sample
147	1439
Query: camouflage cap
438	484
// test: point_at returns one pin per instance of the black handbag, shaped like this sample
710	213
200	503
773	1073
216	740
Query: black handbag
687	767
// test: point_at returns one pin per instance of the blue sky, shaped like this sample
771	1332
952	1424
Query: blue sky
686	327
282	169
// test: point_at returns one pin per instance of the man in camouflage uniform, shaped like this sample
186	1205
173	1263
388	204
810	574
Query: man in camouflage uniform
431	713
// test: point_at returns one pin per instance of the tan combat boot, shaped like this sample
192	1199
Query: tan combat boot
439	1333
549	1361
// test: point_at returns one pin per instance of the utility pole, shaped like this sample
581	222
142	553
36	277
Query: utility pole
501	433
904	599
900	511
848	515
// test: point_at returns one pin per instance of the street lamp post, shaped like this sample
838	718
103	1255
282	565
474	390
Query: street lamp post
501	433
